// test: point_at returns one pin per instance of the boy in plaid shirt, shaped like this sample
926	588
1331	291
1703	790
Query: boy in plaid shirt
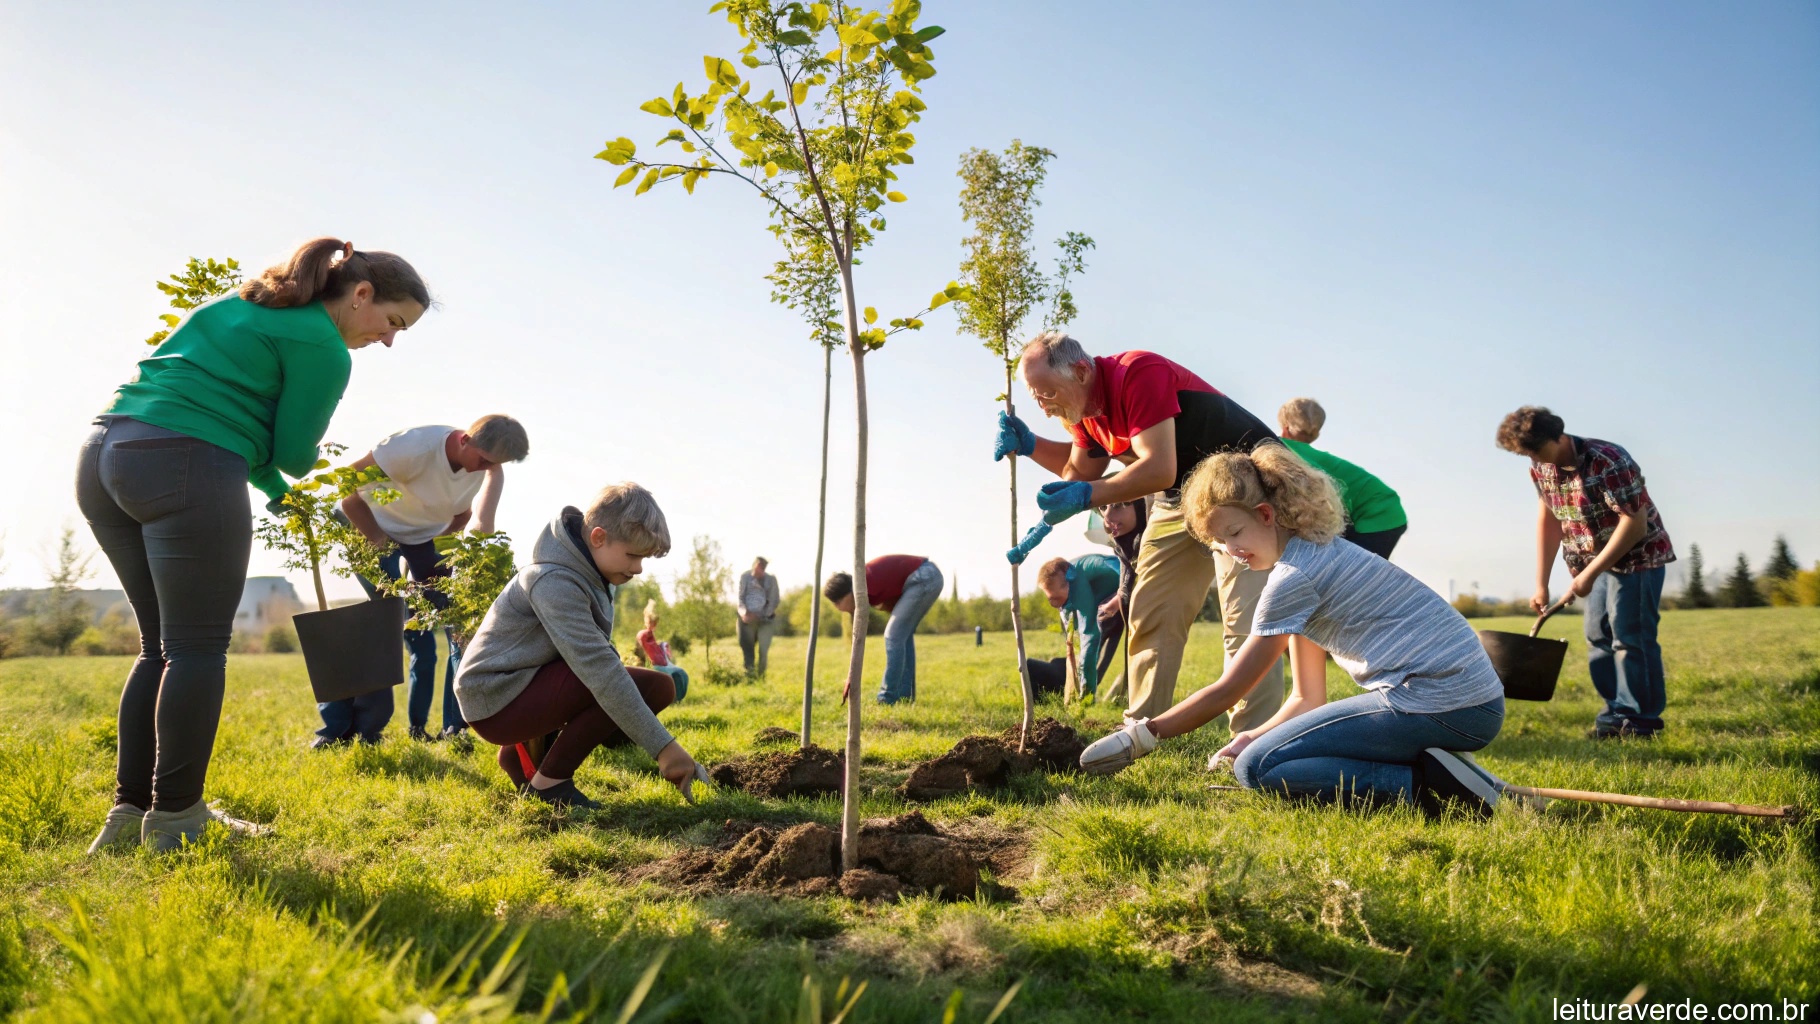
1596	511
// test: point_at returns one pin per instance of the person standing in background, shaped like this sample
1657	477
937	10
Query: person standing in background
758	600
1374	513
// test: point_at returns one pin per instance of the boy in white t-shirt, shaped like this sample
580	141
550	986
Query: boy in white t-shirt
438	472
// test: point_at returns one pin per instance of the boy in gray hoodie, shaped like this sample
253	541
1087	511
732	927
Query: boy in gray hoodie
543	660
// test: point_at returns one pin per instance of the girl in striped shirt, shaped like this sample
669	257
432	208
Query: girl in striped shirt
1430	692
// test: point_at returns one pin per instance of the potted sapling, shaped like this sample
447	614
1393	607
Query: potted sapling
357	648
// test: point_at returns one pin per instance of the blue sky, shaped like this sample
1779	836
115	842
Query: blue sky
1424	215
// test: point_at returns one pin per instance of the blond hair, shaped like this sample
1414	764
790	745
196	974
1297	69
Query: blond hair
630	515
1306	501
502	438
1302	416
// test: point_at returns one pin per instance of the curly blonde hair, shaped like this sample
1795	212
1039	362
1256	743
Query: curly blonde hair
1305	499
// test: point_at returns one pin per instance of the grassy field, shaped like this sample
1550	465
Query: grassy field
408	879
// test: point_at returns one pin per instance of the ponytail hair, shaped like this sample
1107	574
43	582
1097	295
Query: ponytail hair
1305	499
323	269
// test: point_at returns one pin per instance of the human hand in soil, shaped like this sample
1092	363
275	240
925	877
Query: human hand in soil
678	768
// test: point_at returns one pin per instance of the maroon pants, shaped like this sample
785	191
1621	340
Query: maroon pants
558	702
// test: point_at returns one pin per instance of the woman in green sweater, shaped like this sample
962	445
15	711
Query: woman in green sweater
240	392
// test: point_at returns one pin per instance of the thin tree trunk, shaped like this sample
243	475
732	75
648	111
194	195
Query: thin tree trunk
309	540
1017	620
862	605
821	537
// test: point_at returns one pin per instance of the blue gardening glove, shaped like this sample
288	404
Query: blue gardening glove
1013	437
1031	539
1060	499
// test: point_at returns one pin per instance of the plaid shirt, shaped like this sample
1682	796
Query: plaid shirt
1589	498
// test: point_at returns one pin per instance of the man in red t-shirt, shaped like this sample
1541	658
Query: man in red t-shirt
907	587
1159	420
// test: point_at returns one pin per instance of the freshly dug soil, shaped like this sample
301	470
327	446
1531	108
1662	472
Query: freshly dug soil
773	734
802	772
905	854
987	762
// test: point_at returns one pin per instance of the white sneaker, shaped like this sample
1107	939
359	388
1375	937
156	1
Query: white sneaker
1443	777
1112	752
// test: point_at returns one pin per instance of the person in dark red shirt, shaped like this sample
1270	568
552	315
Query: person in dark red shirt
1159	420
907	586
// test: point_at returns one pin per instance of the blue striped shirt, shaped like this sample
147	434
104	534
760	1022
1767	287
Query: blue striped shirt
1382	625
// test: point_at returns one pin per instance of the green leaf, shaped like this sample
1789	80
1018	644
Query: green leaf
923	35
170	319
795	37
799	92
321	464
871	315
922	70
938	301
750	61
689	181
618	151
658	106
626	175
720	70
650	179
770	168
896	197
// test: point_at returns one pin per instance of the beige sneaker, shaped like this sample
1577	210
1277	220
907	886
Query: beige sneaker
237	825
120	828
164	831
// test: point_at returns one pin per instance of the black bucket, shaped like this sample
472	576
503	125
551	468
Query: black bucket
355	649
1529	666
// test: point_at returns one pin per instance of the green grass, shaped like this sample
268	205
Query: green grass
399	878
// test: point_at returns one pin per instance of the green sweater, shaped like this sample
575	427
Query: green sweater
260	382
1371	506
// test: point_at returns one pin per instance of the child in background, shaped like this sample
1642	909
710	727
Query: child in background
657	653
1124	524
1077	589
543	660
1430	689
1374	514
1596	511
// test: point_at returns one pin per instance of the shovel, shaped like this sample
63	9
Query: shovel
1528	666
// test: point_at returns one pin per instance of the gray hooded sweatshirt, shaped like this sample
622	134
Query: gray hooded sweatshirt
557	608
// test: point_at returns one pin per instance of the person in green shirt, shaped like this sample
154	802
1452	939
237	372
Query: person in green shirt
240	393
1374	514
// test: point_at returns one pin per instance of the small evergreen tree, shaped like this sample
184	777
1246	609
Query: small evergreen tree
63	615
1740	590
1782	564
1696	594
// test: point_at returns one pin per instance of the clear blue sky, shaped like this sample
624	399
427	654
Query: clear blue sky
1424	215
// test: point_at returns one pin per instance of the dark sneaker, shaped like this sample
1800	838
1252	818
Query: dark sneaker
1621	730
417	733
563	794
458	738
329	742
1443	778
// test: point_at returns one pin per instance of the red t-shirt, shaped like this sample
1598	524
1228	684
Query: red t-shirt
653	650
1134	392
885	576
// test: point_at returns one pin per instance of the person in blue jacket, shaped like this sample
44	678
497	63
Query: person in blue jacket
1077	589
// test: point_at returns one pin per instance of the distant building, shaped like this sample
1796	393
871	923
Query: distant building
267	601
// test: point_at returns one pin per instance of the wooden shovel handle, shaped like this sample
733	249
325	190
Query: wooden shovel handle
1659	803
1566	599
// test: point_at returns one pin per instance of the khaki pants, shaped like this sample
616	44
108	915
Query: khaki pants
1174	573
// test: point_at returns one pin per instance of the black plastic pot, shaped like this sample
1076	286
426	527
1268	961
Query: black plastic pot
355	649
1528	666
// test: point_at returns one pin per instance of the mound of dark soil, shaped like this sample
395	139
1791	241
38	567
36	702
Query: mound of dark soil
987	762
905	854
804	772
773	734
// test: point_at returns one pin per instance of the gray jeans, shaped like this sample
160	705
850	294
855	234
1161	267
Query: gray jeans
171	513
755	640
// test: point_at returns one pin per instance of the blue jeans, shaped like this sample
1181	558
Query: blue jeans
1622	654
369	713
679	677
1360	747
921	590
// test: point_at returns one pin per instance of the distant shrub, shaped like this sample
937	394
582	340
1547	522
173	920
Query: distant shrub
281	639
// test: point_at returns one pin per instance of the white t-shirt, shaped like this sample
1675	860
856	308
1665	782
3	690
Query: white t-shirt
1387	630
430	493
